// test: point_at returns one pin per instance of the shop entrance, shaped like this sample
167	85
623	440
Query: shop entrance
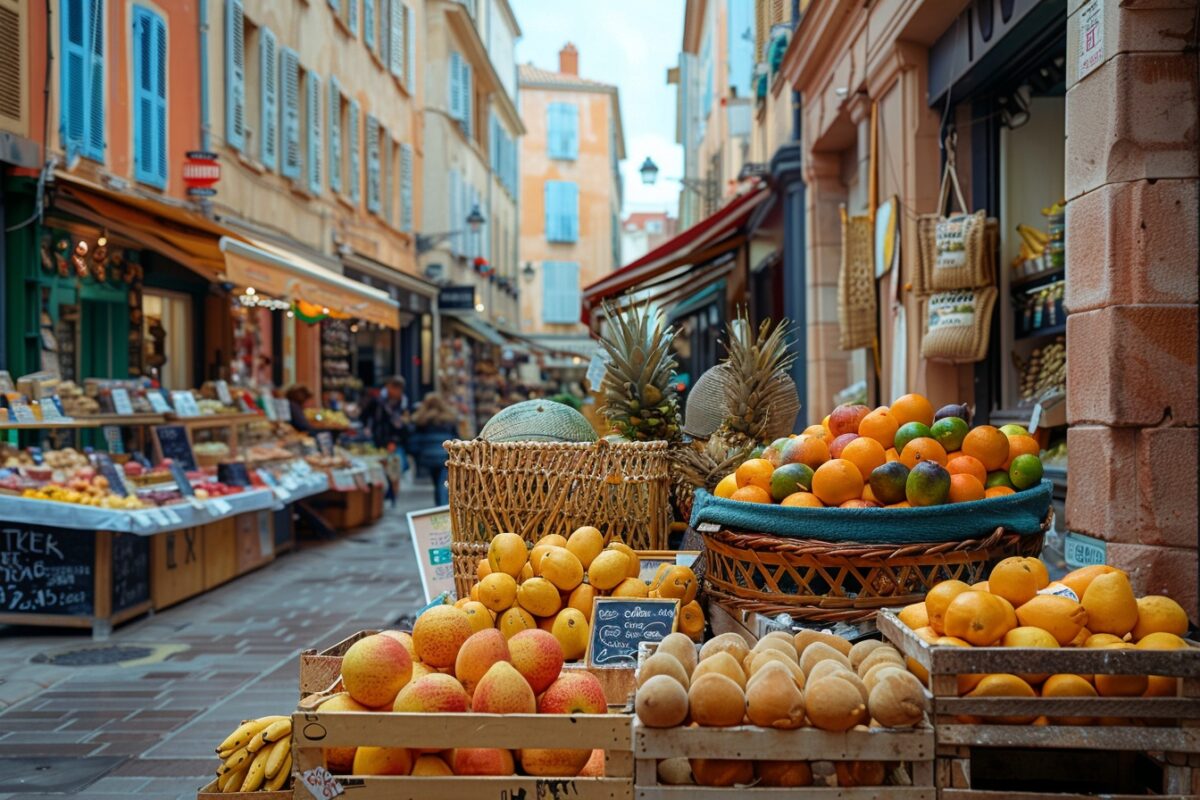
104	332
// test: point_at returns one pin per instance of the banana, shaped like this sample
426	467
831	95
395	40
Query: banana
281	777
1036	246
238	760
1028	231
274	732
257	771
279	751
241	737
231	781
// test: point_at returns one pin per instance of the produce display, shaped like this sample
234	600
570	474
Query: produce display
326	418
1019	606
552	586
449	665
1045	371
75	403
257	756
785	682
900	456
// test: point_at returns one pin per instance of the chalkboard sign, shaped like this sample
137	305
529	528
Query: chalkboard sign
620	624
116	478
130	570
181	480
325	442
46	571
173	443
233	473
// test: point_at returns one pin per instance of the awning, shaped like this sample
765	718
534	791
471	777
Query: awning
697	301
476	328
671	270
281	273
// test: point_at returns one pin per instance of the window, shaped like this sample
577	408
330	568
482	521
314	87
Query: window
562	211
560	292
387	151
83	77
235	75
172	311
355	165
369	15
149	97
563	131
313	124
461	92
347	12
289	80
406	187
268	78
337	105
373	165
654	226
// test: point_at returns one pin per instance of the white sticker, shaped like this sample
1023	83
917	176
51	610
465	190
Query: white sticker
1060	590
320	783
1091	37
222	506
172	515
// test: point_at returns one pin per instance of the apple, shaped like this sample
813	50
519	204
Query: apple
846	417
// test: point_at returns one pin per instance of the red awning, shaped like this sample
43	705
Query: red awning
672	262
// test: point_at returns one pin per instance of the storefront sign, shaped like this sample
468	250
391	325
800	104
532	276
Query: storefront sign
46	571
1091	37
1083	551
430	532
456	298
121	402
619	625
201	173
171	441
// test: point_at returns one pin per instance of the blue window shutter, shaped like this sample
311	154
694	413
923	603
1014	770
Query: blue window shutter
373	175
335	5
570	211
352	16
549	291
387	182
569	286
455	203
144	161
335	135
268	74
160	100
95	132
468	105
553	136
396	38
289	82
235	76
369	23
456	98
550	198
570	124
560	292
74	105
410	49
406	187
355	153
314	133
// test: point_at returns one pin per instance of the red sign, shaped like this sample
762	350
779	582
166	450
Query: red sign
201	172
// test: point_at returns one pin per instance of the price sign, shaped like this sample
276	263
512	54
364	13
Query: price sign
112	437
158	402
50	410
223	393
185	404
1084	551
171	515
619	625
22	412
121	402
115	477
320	783
325	442
343	480
233	473
270	408
171	441
430	532
181	479
222	506
160	518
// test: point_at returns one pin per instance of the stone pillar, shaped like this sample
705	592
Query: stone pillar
1132	252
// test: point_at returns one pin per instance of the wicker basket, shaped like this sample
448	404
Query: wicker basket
829	582
536	488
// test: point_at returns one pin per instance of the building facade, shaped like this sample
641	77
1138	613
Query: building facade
643	231
571	194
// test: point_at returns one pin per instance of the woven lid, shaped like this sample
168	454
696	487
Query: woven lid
706	408
538	421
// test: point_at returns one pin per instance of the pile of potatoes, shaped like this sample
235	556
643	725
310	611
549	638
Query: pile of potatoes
782	682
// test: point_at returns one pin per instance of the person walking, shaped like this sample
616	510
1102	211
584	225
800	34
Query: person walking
385	418
298	396
434	421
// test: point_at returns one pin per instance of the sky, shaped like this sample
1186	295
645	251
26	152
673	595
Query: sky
629	43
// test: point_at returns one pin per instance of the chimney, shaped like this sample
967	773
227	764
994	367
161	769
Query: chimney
568	60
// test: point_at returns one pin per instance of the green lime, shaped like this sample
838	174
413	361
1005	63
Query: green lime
1025	471
999	478
888	482
1013	430
928	484
949	432
789	479
774	451
757	452
909	431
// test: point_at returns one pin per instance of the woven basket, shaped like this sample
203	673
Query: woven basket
537	488
829	582
856	284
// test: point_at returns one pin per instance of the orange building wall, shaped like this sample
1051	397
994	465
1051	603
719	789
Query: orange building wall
598	200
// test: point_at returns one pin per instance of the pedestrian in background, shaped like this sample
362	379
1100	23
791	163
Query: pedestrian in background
297	396
385	418
434	421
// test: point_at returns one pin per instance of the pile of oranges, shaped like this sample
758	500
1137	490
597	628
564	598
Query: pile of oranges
1018	606
896	456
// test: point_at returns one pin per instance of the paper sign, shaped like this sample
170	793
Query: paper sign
159	517
142	519
223	393
172	515
596	369
112	438
1083	551
181	479
342	480
325	442
185	404
50	410
222	506
320	783
1035	418
270	408
620	624
1091	37
22	412
115	477
121	402
158	402
430	532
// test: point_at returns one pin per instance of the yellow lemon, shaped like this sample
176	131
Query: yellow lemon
480	615
727	486
515	620
635	562
562	568
631	587
581	599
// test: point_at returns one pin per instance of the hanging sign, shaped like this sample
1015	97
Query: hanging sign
456	298
201	173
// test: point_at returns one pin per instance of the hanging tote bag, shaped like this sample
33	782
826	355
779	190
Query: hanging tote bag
856	283
954	250
958	325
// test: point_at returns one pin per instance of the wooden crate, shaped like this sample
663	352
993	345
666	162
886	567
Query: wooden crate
1168	727
312	730
210	791
914	746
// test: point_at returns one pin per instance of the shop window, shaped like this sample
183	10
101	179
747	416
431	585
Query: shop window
560	292
563	130
83	96
562	211
166	334
149	97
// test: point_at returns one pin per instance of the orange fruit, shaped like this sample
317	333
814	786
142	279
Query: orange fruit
837	481
858	502
892	455
1111	606
1067	685
1162	685
1010	613
966	465
1079	580
977	617
802	500
914	615
819	432
901	504
1039	569
866	453
912	408
1158	614
755	472
751	494
1121	685
825	424
964	488
1061	617
869	495
726	486
998	491
1013	580
938	599
1003	685
879	425
922	449
812	451
1019	446
987	444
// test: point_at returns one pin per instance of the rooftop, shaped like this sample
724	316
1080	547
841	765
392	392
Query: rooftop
529	74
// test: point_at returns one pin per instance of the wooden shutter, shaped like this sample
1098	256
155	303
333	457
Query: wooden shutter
369	23
12	61
314	133
355	153
352	16
335	135
373	176
468	91
95	129
73	108
410	49
396	37
569	198
456	94
268	74
289	80
235	76
406	187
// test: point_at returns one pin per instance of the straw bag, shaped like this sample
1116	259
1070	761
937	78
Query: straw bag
856	283
958	325
954	249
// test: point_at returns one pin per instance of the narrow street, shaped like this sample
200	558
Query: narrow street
148	728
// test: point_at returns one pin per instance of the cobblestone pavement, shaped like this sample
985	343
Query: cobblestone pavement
149	729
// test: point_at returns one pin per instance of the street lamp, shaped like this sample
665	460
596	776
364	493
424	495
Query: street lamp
705	187
649	172
428	241
528	272
475	219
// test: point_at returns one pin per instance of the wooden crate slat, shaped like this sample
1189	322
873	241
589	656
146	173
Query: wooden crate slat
319	670
211	791
799	793
1156	707
980	794
810	744
470	788
1181	740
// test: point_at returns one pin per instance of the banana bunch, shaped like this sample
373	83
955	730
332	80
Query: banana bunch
258	755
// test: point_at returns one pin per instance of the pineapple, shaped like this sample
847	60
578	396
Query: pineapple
760	395
640	400
701	466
